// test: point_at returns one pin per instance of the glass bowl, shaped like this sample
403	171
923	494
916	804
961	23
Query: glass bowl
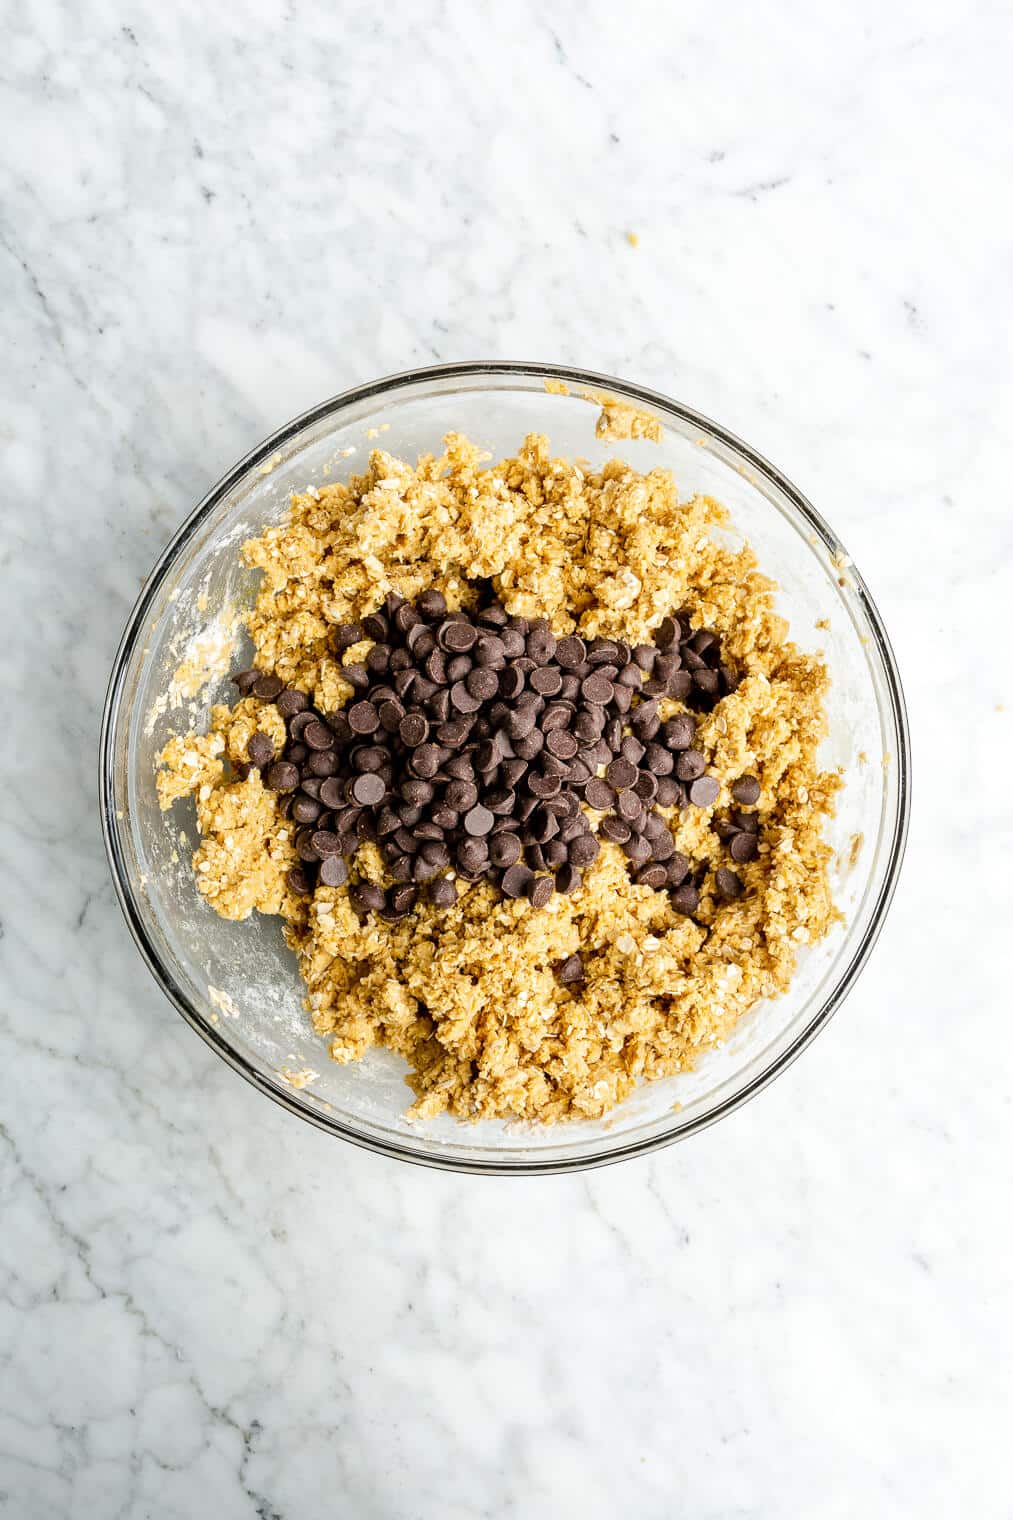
236	984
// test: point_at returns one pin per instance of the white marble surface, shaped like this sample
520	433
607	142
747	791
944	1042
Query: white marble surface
211	217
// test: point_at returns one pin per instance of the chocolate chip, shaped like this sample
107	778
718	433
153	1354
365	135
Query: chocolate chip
435	853
413	729
490	651
391	713
375	626
729	883
298	882
482	683
704	791
462	700
547	681
629	806
333	872
245	681
442	893
667	634
669	793
746	790
637	849
678	732
511	683
561	743
291	702
366	898
488	766
515	880
571	652
268	687
282	776
568	878
597	689
432	604
299	724
500	800
584	850
743	847
260	749
425	760
478	821
678	868
436	667
357	675
504	850
344	636
472	854
621	773
569	971
645	720
513	771
404	617
540	644
368	789
646	787
599	795
539	891
363	718
666	665
617	830
662	847
456	637
686	899
304	848
323	762
690	764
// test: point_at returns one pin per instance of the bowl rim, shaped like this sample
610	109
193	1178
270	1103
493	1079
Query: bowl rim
127	898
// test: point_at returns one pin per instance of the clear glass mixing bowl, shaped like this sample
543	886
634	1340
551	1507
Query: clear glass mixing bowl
237	985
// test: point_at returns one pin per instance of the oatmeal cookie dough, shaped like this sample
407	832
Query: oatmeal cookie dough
469	994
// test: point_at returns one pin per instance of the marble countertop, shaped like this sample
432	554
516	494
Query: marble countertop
212	217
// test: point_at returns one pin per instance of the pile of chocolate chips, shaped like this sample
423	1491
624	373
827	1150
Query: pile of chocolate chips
470	743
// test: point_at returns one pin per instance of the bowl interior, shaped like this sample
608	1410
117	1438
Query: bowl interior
238	984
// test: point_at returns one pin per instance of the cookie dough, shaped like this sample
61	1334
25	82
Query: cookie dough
468	994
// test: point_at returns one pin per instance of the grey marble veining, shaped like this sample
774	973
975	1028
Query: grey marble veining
211	217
